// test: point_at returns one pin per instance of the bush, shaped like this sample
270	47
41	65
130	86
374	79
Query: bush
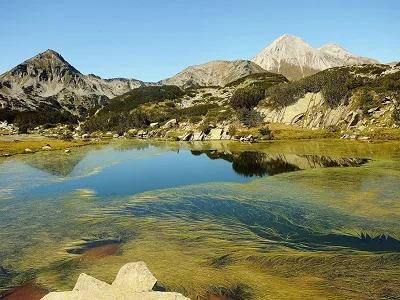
366	101
249	117
232	130
266	133
31	119
247	97
396	116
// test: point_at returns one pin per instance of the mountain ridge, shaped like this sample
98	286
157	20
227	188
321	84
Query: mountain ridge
48	80
293	57
213	73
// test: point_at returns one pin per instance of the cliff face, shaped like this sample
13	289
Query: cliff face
310	111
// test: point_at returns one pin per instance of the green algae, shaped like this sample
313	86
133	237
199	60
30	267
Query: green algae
319	234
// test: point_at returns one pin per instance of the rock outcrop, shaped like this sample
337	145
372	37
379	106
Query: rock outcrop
134	281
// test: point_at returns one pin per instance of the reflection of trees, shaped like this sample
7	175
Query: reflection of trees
259	164
252	163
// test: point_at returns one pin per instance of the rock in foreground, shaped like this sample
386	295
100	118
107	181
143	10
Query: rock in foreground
134	281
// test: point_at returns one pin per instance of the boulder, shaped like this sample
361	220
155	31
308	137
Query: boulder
215	133
86	283
112	295
354	119
3	125
28	150
47	147
135	277
133	282
170	124
198	136
187	137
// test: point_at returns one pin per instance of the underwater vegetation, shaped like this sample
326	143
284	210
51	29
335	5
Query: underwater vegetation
309	222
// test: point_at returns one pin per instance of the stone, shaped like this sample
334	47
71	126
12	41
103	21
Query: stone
86	283
47	147
67	151
187	137
112	295
361	128
364	138
354	119
135	277
115	136
28	150
85	136
215	133
198	136
373	110
171	123
154	125
133	282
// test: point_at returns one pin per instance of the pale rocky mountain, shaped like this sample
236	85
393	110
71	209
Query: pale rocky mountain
291	56
214	73
48	80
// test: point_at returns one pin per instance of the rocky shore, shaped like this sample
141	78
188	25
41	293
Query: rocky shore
134	281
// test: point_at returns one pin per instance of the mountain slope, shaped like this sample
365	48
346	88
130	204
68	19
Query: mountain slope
291	56
214	73
48	80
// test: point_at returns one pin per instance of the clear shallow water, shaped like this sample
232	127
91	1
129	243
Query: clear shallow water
237	214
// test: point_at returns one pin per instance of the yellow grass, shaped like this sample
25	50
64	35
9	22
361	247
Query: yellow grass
18	147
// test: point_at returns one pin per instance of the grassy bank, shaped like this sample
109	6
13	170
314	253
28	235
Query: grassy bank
18	146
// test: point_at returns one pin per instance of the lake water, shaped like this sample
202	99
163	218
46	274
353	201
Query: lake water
279	220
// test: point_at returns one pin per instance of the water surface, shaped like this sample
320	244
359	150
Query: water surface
281	220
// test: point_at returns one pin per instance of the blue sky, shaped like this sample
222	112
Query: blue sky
154	39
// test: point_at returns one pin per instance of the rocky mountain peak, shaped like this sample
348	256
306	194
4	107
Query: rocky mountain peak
47	78
291	56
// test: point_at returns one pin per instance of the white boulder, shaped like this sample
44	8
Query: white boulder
134	281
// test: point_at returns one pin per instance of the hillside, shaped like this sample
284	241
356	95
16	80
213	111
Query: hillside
291	56
214	73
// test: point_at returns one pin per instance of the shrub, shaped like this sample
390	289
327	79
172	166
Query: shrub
266	132
232	130
396	116
249	117
247	97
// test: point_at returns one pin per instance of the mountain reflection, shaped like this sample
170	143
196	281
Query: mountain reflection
252	163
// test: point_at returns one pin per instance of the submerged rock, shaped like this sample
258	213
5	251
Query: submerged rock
133	281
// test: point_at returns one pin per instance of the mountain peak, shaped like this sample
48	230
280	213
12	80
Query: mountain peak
293	57
289	37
